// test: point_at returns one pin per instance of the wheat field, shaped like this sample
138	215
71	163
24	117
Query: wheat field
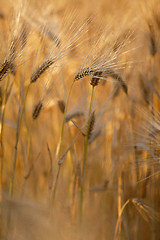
79	120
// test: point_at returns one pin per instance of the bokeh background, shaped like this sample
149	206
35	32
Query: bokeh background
120	183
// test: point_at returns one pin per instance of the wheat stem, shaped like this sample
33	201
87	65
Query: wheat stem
119	219
11	187
85	153
60	146
1	136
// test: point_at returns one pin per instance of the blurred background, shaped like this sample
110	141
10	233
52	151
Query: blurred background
79	156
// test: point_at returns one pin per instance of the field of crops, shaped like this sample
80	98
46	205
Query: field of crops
79	120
